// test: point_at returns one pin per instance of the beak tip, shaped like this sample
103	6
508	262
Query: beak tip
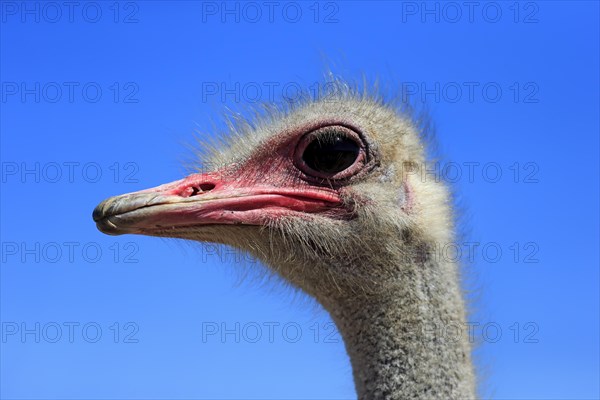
103	222
99	212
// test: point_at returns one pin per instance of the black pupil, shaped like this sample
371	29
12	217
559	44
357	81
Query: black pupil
331	154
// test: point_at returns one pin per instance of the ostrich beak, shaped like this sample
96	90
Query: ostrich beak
208	199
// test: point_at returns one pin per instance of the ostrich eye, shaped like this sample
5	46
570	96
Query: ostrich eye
331	154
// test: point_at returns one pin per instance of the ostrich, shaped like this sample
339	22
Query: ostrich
329	195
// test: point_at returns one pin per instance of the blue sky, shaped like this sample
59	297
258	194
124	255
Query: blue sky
101	99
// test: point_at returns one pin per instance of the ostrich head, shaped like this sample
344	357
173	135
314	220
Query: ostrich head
329	196
324	195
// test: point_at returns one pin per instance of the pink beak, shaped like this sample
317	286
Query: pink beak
204	199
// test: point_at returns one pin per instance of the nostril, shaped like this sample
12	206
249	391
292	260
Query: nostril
206	187
201	188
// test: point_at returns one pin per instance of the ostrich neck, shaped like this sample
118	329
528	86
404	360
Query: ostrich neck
409	341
